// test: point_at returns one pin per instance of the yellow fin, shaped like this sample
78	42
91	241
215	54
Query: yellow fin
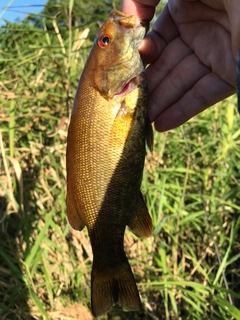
141	223
131	99
121	127
113	286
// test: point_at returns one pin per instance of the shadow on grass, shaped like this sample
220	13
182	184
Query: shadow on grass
15	233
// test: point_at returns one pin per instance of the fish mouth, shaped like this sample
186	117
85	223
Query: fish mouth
127	88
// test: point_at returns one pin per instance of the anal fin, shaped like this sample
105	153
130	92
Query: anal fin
141	223
72	214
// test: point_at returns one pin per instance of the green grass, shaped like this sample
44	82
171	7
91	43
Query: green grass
191	185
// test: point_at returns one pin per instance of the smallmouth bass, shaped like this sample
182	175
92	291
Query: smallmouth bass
106	147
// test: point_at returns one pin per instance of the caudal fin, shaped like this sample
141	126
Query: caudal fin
111	286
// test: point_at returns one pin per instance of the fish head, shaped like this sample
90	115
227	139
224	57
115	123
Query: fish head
115	59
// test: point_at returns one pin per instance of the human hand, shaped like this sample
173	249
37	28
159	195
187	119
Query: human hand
192	52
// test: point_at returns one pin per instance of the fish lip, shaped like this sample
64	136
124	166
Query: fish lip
130	24
128	87
128	21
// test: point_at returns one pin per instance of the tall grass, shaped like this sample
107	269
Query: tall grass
188	269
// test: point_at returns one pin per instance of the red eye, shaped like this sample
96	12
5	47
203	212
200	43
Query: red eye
103	41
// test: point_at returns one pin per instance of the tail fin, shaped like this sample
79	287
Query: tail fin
111	286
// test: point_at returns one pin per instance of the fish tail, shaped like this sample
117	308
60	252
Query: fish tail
111	286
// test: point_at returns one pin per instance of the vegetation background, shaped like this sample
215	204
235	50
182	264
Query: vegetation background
188	269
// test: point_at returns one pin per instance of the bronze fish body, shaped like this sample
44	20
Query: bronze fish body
106	142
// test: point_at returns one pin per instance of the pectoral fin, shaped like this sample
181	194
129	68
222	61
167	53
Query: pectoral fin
121	127
141	223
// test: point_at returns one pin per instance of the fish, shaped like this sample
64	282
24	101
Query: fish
106	147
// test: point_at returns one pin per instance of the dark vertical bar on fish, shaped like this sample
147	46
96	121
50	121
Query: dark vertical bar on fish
238	80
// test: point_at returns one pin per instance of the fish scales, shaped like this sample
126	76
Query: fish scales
106	142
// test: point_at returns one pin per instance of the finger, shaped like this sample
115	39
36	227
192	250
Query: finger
169	87
151	47
143	9
233	9
164	31
171	56
165	27
204	35
194	102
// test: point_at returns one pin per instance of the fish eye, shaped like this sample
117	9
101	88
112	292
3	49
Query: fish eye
103	41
